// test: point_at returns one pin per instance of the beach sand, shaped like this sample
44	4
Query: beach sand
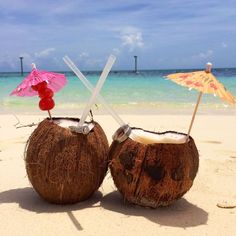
23	212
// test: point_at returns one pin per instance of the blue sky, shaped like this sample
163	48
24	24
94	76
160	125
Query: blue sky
164	34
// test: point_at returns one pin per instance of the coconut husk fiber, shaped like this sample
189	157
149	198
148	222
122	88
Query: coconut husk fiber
64	166
153	175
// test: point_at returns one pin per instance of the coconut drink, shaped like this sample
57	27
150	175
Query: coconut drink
152	169
66	158
65	166
128	156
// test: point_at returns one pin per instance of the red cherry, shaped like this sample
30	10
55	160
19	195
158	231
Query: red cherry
39	86
42	85
46	104
45	93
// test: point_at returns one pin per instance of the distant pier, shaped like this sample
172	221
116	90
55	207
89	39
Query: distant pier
21	66
135	64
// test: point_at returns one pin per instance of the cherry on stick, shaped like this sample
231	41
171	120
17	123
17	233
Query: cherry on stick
45	93
46	104
39	86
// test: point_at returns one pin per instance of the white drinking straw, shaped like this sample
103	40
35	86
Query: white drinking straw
97	89
89	86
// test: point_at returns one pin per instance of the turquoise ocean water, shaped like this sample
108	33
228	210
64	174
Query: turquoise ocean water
127	92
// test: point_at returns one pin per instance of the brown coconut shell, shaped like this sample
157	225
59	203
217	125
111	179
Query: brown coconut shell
65	166
153	175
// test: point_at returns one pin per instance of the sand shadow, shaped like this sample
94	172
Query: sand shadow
180	214
28	199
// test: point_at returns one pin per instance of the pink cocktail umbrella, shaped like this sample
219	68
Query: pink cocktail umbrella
41	83
55	82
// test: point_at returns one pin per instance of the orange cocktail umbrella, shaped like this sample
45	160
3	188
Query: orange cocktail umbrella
204	82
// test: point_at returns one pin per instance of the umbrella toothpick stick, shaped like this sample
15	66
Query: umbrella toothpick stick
50	116
194	114
208	70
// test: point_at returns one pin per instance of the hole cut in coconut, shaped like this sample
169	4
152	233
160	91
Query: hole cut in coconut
147	137
72	124
66	122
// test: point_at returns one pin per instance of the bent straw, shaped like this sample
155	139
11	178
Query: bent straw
97	89
89	86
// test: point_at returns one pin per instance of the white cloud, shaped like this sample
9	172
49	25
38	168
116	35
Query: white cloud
205	55
41	59
84	55
224	45
88	61
132	38
27	60
116	51
45	52
26	55
7	62
93	63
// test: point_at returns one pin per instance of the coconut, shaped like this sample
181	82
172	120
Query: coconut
153	169
64	166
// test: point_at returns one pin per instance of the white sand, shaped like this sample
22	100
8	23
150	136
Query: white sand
23	212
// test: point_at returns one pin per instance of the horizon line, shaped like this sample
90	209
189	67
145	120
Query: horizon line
123	70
